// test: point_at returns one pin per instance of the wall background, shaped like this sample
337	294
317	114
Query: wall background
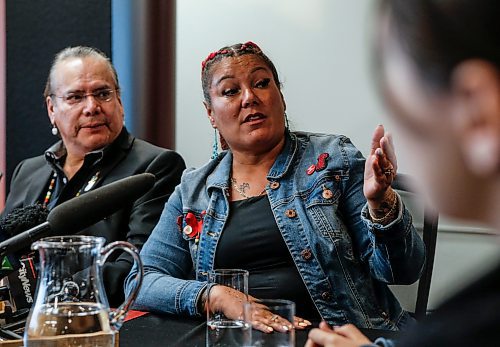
36	31
320	48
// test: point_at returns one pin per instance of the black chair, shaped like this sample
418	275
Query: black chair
403	183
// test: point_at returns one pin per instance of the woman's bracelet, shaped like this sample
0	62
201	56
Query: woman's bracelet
389	212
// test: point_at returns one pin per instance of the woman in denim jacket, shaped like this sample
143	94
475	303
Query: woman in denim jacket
304	213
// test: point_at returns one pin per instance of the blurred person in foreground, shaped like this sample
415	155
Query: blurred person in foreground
304	213
439	74
84	106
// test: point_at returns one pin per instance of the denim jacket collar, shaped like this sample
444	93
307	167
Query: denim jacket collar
219	178
285	159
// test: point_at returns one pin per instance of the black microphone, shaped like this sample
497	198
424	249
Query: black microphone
21	219
83	211
19	269
15	222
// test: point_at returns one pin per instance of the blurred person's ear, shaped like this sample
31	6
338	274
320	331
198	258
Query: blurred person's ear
476	115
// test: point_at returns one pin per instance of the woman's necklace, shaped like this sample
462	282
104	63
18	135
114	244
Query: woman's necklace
241	190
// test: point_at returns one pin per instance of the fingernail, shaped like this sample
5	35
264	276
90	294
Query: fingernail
285	328
306	321
304	324
269	329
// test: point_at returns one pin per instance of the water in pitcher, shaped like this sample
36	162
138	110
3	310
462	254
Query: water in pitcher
70	324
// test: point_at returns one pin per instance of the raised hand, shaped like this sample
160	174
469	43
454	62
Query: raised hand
381	165
380	170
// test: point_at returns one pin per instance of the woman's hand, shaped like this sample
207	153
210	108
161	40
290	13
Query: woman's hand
230	302
344	336
227	300
265	321
380	169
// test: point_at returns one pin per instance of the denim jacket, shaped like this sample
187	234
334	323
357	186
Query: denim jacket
344	259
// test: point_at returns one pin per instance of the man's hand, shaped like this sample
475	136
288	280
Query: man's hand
344	336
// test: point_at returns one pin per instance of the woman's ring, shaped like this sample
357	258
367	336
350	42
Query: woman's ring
389	172
274	318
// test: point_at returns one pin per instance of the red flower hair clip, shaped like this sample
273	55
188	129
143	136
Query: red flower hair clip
249	44
246	46
211	56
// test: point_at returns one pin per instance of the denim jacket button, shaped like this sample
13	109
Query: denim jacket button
306	254
274	185
327	194
290	213
326	296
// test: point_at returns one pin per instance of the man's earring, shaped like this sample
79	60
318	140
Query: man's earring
54	130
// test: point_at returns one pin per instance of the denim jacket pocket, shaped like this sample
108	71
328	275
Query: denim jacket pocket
322	204
321	201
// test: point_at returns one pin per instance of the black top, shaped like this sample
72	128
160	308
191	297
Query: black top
252	241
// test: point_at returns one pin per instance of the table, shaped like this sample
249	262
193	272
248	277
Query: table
163	330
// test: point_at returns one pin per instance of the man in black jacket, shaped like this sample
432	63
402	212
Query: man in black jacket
84	107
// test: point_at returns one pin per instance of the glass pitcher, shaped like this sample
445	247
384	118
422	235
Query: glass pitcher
71	307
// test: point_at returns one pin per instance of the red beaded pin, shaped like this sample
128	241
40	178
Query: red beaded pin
322	159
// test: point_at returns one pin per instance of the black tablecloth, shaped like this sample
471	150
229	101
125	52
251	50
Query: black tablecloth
155	330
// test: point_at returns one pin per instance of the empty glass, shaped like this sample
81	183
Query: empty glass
225	331
278	308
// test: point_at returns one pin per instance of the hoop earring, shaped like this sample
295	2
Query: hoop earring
287	125
55	131
215	146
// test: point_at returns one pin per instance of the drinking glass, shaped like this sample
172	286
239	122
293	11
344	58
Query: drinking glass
283	308
224	331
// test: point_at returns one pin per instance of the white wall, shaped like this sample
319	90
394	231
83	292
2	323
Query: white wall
321	50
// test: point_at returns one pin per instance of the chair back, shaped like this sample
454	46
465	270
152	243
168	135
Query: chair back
403	183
